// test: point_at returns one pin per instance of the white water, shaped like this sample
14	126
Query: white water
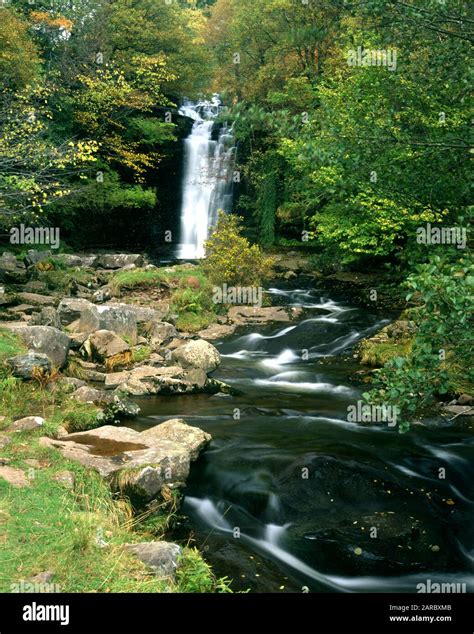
207	182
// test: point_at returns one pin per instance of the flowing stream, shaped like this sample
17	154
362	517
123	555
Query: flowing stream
290	496
207	184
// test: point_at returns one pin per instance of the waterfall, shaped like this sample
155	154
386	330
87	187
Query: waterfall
207	181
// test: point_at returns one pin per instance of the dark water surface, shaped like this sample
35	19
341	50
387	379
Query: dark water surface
293	497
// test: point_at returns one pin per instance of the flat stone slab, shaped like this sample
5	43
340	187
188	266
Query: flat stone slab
151	460
15	477
251	315
37	299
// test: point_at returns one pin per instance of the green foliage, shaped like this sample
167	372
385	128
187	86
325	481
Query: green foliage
141	353
377	354
138	278
64	279
443	347
231	259
195	575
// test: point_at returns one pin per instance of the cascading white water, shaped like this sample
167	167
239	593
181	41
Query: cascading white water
207	183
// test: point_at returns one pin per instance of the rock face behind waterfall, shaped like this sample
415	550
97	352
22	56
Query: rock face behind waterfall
207	183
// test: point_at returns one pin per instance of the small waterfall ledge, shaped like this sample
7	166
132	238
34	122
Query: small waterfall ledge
208	176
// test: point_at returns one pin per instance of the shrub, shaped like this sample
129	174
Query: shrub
231	259
443	348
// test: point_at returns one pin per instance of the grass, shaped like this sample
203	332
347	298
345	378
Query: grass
142	278
10	345
141	353
60	278
188	290
78	534
376	354
192	322
25	398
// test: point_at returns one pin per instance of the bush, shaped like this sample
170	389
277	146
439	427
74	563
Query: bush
443	348
231	259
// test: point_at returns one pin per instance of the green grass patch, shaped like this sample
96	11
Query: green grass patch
141	353
10	345
78	533
377	354
53	403
62	278
192	322
142	278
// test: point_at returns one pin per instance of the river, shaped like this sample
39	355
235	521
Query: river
292	497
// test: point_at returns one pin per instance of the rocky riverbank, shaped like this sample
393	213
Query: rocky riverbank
81	336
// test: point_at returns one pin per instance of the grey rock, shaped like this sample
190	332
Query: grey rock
198	354
29	423
162	557
103	345
250	315
118	318
48	316
159	333
36	299
12	271
47	340
23	365
71	309
177	430
119	260
34	256
217	331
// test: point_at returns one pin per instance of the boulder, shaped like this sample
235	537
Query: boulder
162	557
47	340
401	329
29	423
68	259
71	383
23	365
198	354
254	316
146	379
118	318
27	309
458	410
465	399
12	271
35	286
86	394
159	333
105	345
135	465
176	430
71	309
34	256
119	260
48	316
